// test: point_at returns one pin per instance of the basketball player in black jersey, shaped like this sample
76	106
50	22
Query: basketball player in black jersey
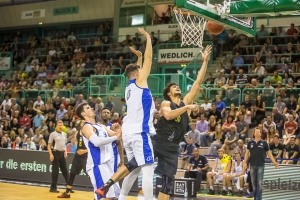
79	161
172	126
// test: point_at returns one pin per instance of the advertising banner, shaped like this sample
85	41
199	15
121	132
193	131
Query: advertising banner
66	10
282	183
168	28
33	14
34	166
5	63
177	56
153	2
133	3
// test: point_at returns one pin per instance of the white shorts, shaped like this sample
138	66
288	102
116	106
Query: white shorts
236	180
219	179
139	146
115	163
100	174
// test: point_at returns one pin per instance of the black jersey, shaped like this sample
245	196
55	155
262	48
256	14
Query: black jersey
80	144
172	130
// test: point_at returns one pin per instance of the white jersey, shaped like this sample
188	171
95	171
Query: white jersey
140	110
98	155
238	168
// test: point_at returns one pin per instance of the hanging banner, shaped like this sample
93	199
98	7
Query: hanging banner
5	63
177	56
133	3
33	14
168	28
155	2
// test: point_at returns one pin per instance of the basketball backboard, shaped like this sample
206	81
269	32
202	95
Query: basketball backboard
215	10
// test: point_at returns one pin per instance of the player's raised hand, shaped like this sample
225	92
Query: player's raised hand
206	53
142	31
136	52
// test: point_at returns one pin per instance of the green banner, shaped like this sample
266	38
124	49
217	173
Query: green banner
66	10
263	6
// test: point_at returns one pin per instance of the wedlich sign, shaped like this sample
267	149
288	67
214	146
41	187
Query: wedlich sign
66	10
282	183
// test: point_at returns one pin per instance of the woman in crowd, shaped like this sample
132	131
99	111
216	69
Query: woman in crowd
232	112
260	111
270	135
217	144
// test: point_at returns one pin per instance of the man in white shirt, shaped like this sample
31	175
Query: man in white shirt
38	103
206	105
5	102
259	69
61	112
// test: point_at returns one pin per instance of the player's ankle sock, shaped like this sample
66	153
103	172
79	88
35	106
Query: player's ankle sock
211	187
110	182
68	190
224	188
229	188
248	191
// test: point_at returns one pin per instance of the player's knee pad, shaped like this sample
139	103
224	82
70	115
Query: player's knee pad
131	165
167	185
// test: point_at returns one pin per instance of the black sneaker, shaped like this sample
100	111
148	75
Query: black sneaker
224	193
229	193
211	192
54	190
72	191
240	193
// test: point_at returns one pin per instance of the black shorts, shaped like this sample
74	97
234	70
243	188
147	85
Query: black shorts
78	164
167	158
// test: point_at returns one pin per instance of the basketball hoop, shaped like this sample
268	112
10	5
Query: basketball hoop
192	27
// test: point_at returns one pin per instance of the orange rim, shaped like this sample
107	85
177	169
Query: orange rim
183	12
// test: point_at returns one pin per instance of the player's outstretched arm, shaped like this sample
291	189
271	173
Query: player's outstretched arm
192	95
88	132
170	114
139	55
145	70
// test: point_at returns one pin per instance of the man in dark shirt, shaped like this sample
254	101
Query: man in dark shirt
278	119
247	104
292	105
215	113
258	149
291	152
197	168
276	148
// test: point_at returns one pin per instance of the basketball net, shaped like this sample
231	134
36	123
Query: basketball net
192	27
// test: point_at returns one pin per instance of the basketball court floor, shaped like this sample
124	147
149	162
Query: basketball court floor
10	190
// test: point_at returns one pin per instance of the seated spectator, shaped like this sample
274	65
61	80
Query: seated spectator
209	80
227	124
221	106
260	111
290	128
17	144
29	145
271	134
242	127
291	152
215	113
194	134
281	107
198	167
262	35
278	119
275	78
206	106
286	57
217	143
218	79
237	175
220	68
43	145
238	61
241	79
291	106
71	38
61	112
72	147
241	148
188	152
116	118
231	94
259	69
291	31
276	148
232	76
232	112
221	167
270	62
175	37
37	137
231	138
246	113
4	142
202	127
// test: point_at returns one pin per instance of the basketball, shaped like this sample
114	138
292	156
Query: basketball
214	28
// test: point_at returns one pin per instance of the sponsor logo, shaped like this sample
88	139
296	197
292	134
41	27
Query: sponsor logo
128	94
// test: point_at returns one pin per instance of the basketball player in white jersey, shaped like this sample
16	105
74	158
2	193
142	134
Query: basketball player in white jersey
238	175
98	140
137	127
